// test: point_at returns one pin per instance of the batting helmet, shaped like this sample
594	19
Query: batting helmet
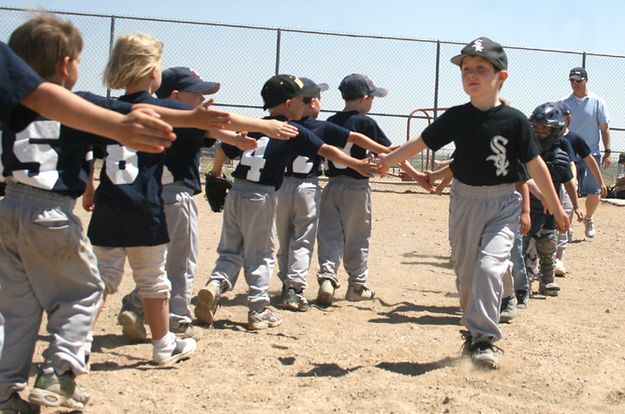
551	115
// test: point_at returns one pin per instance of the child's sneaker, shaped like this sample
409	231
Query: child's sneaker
182	350
294	300
15	405
548	289
358	293
132	326
54	390
325	296
207	302
482	352
589	227
263	320
508	309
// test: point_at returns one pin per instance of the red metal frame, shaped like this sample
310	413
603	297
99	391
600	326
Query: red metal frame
426	112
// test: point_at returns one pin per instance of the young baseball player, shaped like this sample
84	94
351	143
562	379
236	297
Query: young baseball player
491	141
547	120
249	216
345	207
297	212
181	181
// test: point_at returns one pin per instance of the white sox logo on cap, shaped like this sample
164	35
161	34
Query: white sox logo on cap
477	45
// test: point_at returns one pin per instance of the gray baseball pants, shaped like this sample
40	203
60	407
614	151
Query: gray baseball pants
248	240
344	230
482	224
297	216
46	264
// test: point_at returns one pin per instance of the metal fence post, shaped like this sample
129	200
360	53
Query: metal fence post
111	40
278	42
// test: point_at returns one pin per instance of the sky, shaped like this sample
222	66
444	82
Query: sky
571	25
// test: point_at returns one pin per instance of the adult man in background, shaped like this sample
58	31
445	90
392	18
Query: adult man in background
590	119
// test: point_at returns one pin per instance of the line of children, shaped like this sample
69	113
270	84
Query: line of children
247	238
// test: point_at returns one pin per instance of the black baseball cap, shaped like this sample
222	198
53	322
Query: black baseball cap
578	74
484	48
356	86
184	80
312	89
279	88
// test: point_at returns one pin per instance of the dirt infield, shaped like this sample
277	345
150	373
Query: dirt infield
397	354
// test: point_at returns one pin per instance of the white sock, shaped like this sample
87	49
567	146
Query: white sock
168	342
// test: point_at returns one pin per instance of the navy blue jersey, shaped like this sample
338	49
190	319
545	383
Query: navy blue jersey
17	80
357	122
490	145
52	157
580	147
565	145
267	163
129	210
304	167
559	166
182	159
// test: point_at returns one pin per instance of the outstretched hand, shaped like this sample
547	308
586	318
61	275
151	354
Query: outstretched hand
279	129
213	119
143	130
244	143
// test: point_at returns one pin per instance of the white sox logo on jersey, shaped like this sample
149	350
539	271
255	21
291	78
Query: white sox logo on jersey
498	145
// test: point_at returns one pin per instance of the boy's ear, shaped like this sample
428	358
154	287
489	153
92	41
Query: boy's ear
503	75
62	67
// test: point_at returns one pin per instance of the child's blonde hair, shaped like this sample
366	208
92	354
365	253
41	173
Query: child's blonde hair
44	41
132	59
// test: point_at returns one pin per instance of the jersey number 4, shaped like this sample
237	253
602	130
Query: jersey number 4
255	159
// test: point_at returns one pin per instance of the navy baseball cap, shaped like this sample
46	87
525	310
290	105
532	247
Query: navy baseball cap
184	80
280	88
312	89
484	48
578	74
356	86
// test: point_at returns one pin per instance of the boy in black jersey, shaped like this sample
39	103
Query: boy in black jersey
247	237
547	120
492	141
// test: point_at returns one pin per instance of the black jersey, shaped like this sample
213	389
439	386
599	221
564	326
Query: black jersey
52	157
304	167
490	145
17	80
267	163
129	210
357	122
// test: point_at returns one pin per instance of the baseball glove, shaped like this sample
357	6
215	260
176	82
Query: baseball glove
215	191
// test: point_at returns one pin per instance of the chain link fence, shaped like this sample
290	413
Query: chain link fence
416	72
